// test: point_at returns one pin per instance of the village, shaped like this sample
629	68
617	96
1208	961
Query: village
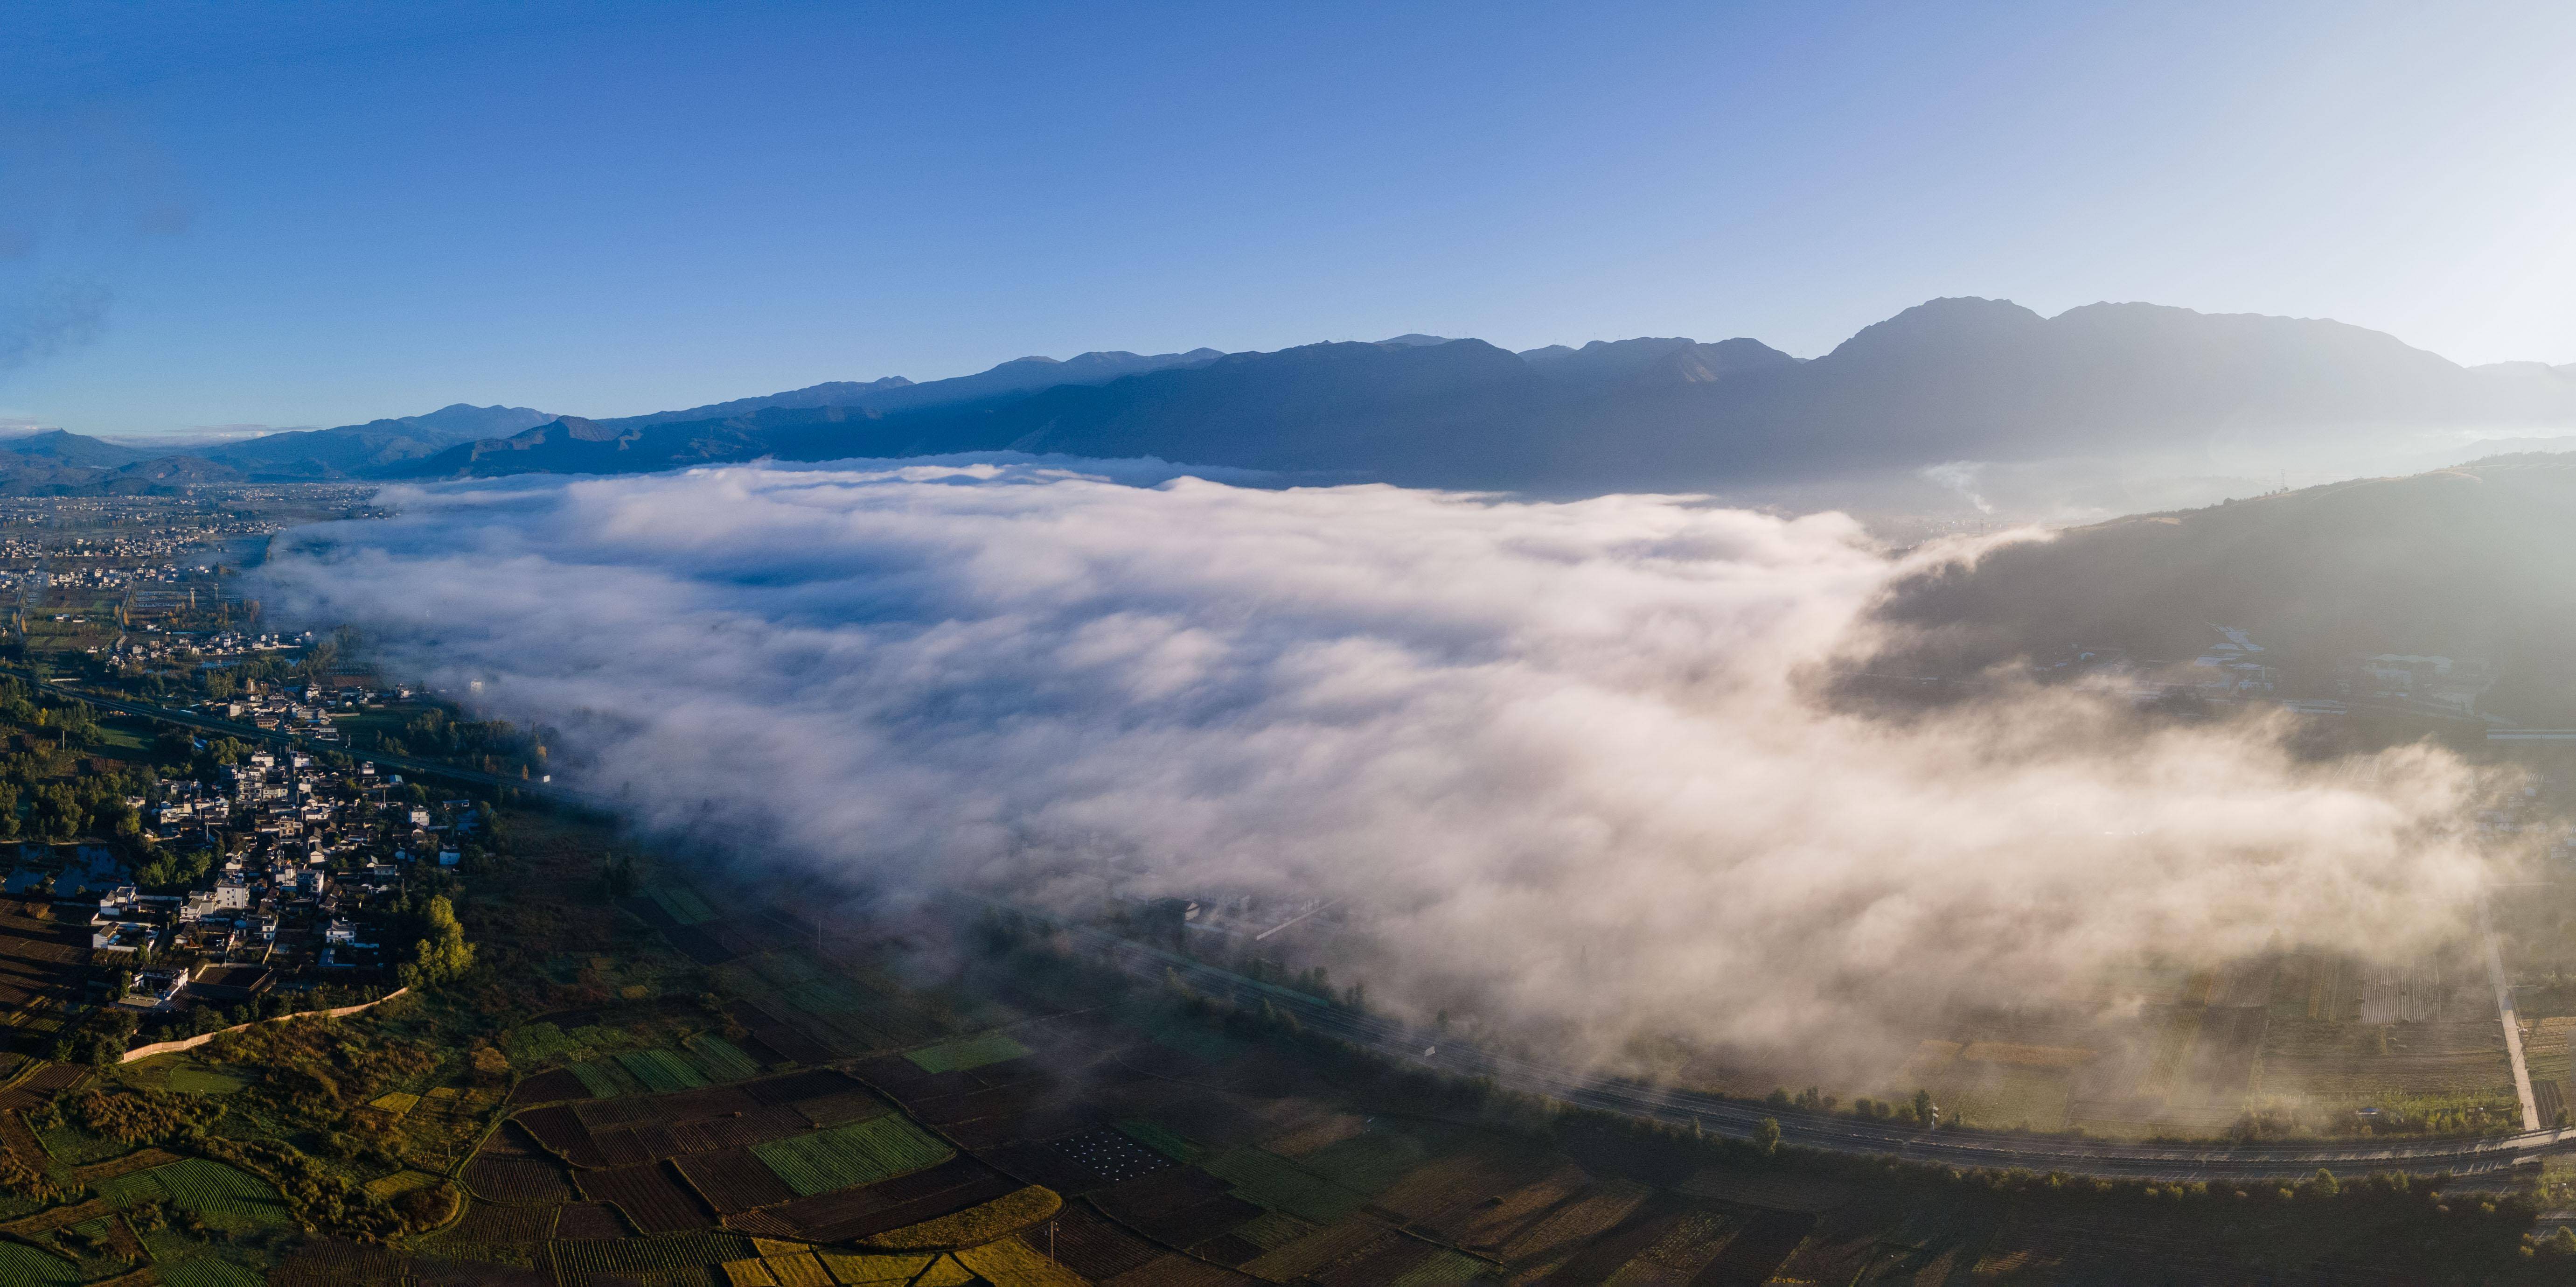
288	871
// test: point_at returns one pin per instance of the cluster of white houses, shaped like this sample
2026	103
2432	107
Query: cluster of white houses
300	870
307	710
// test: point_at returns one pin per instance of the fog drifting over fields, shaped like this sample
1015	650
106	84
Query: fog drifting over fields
1560	753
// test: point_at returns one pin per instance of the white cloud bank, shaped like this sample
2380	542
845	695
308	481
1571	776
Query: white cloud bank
1561	752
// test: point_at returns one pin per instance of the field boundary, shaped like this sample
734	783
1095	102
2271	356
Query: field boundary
191	1043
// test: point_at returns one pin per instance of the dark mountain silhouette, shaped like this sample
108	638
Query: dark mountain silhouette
2466	563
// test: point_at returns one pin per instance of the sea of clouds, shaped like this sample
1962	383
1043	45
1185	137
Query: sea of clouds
1566	761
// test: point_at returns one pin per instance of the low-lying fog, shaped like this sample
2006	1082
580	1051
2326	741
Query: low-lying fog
1562	757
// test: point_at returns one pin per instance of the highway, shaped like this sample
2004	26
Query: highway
2460	1155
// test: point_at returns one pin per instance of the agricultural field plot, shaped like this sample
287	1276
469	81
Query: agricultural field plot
2221	1066
605	1078
847	1156
591	1222
661	1071
1097	1249
484	1223
681	904
950	1187
1112	1155
849	1015
963	1053
1489	1223
721	1060
41	959
580	1261
1468	1178
562	1134
1592	1211
649	1196
330	1264
2447	986
1274	1183
225	1198
2344	1062
734	1180
448	1121
1179	1206
517	1181
551	1086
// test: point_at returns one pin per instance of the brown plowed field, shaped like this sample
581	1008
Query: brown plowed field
517	1181
649	1196
733	1180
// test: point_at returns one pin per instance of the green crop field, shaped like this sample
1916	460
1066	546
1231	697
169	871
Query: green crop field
224	1197
661	1070
968	1052
605	1078
845	1156
27	1267
721	1060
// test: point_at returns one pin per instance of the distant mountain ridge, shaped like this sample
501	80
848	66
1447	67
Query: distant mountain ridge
1949	380
2465	562
1961	379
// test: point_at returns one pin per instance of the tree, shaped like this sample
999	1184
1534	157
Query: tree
2327	1185
1923	1108
442	954
1766	1135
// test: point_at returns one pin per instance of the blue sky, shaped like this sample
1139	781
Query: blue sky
312	215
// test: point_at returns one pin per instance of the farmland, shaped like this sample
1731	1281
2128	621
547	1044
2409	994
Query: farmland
796	1112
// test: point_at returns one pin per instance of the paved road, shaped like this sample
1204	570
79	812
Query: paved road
2460	1155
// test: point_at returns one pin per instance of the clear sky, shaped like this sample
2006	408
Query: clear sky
228	214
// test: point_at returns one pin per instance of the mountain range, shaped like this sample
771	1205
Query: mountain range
1951	380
